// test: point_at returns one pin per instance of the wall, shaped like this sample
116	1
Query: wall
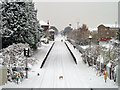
3	75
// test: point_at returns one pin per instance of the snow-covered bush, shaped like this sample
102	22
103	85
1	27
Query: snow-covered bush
14	55
91	54
108	55
13	58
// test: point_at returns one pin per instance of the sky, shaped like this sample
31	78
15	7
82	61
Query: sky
63	13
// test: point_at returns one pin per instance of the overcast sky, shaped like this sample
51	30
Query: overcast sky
61	14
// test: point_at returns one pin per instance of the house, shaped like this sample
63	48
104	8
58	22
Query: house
51	34
45	26
106	32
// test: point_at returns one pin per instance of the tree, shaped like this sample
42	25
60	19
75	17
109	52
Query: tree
80	35
19	24
95	37
67	29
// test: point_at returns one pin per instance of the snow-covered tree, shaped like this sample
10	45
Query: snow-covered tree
13	56
111	55
80	35
19	23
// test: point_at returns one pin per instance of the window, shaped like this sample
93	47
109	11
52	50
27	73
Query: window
106	29
107	32
112	33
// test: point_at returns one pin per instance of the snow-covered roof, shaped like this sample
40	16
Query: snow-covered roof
43	23
51	30
100	59
111	25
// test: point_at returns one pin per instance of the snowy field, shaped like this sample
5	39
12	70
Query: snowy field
61	63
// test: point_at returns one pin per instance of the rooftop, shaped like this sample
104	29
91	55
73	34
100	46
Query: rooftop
43	23
111	25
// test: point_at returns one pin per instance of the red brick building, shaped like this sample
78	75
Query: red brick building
107	32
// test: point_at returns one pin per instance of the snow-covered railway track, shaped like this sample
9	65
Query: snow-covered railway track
47	56
58	63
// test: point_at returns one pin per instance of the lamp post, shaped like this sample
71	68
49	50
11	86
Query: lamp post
90	37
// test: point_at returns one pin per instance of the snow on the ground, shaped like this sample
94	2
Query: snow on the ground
84	47
61	63
76	53
40	55
89	74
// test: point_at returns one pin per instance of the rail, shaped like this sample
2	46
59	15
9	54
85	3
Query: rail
46	56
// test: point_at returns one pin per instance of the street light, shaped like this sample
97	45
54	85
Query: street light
90	37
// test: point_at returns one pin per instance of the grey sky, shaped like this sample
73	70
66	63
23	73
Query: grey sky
61	14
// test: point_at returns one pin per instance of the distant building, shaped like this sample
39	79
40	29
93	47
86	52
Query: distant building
51	34
67	29
45	27
106	32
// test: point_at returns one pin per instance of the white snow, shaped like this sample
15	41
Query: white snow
106	44
61	63
84	47
51	30
109	64
116	67
100	59
92	29
43	23
76	53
